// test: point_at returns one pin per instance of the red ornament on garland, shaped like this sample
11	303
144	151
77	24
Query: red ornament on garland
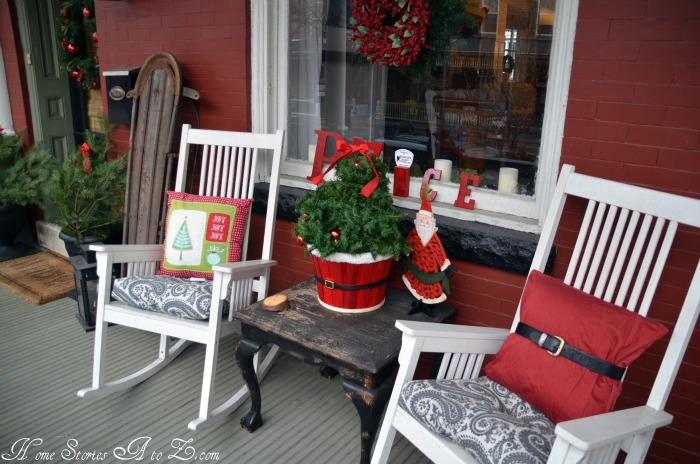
86	12
300	240
95	85
95	37
75	74
86	151
335	234
304	217
73	48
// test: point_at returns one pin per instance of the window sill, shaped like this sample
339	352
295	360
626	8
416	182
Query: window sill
484	244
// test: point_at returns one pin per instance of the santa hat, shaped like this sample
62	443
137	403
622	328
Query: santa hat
425	204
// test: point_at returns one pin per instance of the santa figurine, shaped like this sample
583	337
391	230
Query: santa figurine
427	269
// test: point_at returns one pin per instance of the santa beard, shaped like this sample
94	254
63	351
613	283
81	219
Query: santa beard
425	228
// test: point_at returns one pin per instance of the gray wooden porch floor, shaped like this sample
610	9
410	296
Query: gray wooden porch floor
46	357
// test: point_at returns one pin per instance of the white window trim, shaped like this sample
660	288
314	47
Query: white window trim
269	51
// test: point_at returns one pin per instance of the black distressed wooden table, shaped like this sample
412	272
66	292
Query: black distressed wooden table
363	348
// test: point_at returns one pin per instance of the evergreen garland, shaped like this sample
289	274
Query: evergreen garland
79	43
336	218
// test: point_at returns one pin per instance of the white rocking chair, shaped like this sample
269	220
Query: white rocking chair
229	168
624	239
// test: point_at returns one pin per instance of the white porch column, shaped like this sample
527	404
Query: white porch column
5	112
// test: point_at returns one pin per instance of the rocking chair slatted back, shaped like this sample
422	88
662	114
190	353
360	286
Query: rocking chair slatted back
635	234
227	167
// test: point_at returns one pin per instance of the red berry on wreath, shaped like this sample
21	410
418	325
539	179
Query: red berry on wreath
390	32
86	12
75	74
95	85
335	234
304	217
300	240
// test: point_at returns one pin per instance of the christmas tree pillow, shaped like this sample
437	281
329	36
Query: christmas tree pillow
201	232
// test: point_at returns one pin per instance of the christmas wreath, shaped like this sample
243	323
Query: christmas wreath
79	43
390	32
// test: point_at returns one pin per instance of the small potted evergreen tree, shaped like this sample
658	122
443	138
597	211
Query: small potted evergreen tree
85	194
352	233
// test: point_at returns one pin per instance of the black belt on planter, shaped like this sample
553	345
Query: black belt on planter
331	285
556	346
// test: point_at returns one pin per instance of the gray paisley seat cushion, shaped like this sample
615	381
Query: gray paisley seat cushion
492	422
176	296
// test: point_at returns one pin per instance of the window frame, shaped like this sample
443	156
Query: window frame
269	52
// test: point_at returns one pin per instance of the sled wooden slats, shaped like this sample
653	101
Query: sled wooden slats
155	102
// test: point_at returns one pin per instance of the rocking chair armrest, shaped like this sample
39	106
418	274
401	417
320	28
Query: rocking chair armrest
245	269
453	338
590	433
129	253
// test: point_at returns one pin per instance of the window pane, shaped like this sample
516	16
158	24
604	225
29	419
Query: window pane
475	98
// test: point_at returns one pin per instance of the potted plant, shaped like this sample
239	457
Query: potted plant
85	193
21	178
351	230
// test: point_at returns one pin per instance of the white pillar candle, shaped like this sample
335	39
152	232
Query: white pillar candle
446	167
508	180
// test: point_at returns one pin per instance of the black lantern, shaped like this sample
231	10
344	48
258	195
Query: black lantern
85	278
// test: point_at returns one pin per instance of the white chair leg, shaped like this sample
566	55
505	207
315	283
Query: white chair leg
221	413
385	440
639	448
99	357
100	389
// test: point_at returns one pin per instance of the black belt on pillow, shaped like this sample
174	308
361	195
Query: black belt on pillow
556	346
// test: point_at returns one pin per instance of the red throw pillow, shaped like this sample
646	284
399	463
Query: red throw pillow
202	231
559	388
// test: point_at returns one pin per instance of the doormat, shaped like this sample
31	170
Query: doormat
39	278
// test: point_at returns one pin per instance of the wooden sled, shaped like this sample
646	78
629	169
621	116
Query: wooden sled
156	97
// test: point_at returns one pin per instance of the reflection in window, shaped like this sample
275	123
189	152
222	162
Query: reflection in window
475	98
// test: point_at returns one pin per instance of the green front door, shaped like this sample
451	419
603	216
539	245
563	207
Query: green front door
49	92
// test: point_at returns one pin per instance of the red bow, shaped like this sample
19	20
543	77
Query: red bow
344	150
86	151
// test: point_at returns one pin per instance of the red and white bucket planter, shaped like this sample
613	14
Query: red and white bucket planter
351	283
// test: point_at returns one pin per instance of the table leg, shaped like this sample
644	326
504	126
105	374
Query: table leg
245	355
370	404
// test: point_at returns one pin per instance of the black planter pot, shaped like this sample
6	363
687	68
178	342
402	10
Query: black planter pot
12	221
114	237
74	250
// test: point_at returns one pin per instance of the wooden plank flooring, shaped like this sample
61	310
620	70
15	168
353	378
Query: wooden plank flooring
46	357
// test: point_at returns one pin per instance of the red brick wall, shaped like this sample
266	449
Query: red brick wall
210	40
634	116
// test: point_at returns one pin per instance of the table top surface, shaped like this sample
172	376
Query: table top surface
368	341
